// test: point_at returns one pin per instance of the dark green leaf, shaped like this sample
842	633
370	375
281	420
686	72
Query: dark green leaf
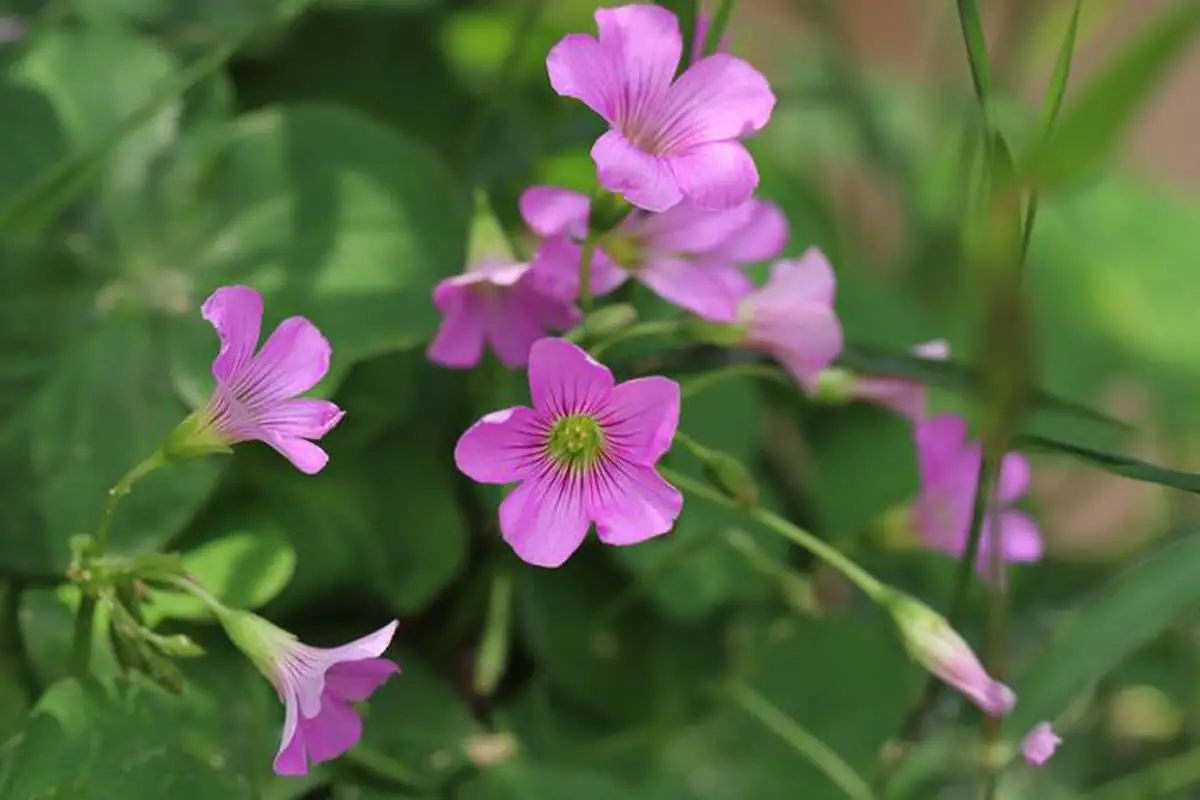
687	11
1091	126
716	30
976	44
1117	463
1122	617
31	147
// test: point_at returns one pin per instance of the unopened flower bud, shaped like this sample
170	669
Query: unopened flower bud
1039	744
835	386
727	474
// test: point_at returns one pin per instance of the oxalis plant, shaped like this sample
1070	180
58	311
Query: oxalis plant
436	618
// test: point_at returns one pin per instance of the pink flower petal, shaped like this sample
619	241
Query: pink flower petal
1040	744
291	760
702	290
644	45
371	645
1022	541
564	379
460	336
718	98
940	442
304	455
684	228
355	681
511	331
302	417
549	210
544	519
632	503
503	447
1014	477
641	417
763	235
556	270
580	67
644	180
334	730
293	360
714	176
236	312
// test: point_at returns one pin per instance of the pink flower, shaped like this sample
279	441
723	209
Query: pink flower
906	398
256	395
584	453
792	317
1039	744
937	647
688	257
499	304
670	139
949	468
315	685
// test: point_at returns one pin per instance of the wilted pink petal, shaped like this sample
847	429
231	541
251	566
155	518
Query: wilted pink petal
670	139
502	305
1039	744
316	686
256	395
949	470
905	397
584	453
792	317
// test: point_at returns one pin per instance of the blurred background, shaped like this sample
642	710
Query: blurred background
326	152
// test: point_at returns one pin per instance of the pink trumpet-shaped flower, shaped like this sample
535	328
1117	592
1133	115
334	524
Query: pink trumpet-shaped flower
937	647
586	452
497	303
316	686
669	139
256	394
906	398
688	257
792	317
949	469
1039	744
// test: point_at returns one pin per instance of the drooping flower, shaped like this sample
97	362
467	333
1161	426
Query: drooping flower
256	394
905	397
1039	744
689	257
792	317
949	470
669	139
499	304
585	452
315	685
937	647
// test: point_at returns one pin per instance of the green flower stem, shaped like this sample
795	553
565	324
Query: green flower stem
585	271
709	379
654	327
85	619
803	742
492	658
822	550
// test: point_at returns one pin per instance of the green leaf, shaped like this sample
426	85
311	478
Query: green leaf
687	11
245	568
522	780
690	572
1119	619
48	627
1116	463
31	147
976	44
720	22
83	742
1057	88
623	665
1090	127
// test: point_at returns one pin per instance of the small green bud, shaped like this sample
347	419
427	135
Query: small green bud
716	333
729	475
177	645
610	319
835	386
193	438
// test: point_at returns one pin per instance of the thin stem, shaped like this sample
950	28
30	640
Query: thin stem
384	766
822	550
656	327
117	492
997	610
803	742
709	379
585	272
1163	779
191	587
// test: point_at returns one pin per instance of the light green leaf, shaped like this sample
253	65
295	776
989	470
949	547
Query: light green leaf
976	44
244	568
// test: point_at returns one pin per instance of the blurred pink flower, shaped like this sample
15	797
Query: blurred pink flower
497	303
669	139
1039	744
584	453
949	469
937	647
905	397
792	317
256	395
316	686
688	257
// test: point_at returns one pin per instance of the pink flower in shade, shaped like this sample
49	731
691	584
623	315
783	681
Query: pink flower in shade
949	469
584	453
256	394
688	257
937	647
906	398
315	685
1039	744
792	317
499	304
669	139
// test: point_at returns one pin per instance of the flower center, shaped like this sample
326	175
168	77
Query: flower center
576	441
